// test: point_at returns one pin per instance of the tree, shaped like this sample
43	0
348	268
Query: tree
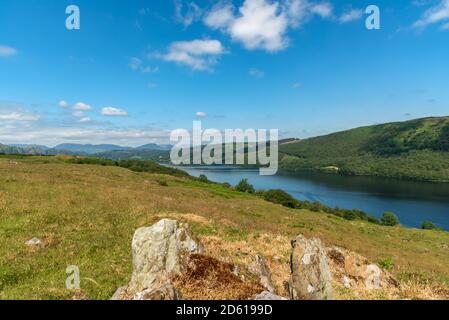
203	178
428	225
245	186
389	219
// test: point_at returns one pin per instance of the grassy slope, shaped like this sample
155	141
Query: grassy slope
417	149
87	215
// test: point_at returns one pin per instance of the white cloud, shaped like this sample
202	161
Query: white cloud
187	13
436	14
137	64
256	73
296	85
421	3
144	11
351	15
149	69
78	114
53	134
297	11
6	51
16	116
20	125
152	85
301	11
63	104
197	54
324	9
263	24
113	112
82	106
85	120
201	114
445	26
221	16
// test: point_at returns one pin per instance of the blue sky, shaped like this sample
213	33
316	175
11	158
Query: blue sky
137	69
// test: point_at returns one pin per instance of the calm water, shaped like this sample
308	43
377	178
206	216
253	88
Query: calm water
412	202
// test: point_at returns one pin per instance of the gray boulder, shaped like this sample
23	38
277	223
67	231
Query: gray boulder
260	269
35	242
266	296
118	295
159	252
310	274
165	292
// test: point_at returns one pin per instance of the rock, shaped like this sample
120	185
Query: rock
159	252
118	295
346	282
165	292
80	296
35	242
260	269
372	277
236	270
357	272
310	274
266	296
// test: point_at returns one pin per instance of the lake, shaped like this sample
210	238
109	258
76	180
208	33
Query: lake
413	202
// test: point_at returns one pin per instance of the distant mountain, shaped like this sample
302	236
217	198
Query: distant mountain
25	150
416	149
89	148
37	146
106	151
153	146
134	154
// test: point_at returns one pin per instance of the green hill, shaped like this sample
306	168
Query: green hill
416	149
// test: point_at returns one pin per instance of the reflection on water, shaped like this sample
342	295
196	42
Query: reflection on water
413	202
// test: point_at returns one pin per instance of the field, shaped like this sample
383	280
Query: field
87	215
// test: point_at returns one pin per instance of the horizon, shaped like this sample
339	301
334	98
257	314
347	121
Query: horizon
19	144
134	72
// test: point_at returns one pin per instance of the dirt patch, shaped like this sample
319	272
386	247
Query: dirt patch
184	217
207	278
337	257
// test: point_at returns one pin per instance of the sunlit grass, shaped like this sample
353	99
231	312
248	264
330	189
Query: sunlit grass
87	214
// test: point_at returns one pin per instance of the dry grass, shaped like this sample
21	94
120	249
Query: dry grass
207	278
275	250
88	214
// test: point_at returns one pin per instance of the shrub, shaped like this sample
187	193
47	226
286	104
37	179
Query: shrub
386	264
389	219
162	182
350	215
428	225
203	178
133	165
280	197
245	186
227	185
